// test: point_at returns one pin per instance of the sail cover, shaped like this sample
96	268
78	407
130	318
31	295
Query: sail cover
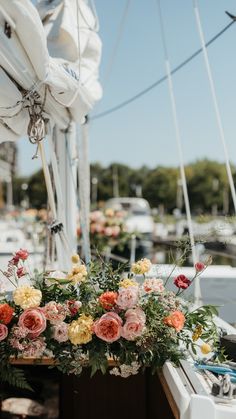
49	59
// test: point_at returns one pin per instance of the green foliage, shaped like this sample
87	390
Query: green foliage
207	185
96	331
13	376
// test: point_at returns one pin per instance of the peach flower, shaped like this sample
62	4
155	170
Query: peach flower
3	331
134	325
34	320
176	319
108	299
55	312
127	297
153	285
108	327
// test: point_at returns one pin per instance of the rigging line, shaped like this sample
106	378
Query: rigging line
215	103
178	136
117	43
162	79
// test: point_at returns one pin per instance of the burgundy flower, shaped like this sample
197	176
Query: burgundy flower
20	272
14	261
181	281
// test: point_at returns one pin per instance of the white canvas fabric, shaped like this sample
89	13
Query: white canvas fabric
79	53
13	120
66	64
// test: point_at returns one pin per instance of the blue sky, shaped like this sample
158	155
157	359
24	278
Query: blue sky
143	132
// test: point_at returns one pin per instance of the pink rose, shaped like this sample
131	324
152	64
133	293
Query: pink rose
108	231
3	331
55	312
22	254
127	297
134	325
181	281
96	215
115	231
199	266
34	320
108	327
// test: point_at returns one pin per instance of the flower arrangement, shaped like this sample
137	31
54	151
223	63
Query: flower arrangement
107	230
90	315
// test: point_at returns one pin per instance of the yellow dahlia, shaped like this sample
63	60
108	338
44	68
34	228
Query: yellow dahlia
141	267
80	331
27	297
77	274
127	282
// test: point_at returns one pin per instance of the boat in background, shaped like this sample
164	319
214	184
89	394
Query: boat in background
139	222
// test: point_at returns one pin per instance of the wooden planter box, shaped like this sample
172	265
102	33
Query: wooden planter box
143	396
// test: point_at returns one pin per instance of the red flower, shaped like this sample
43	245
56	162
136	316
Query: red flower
6	313
199	266
181	281
14	261
22	254
73	306
20	272
108	299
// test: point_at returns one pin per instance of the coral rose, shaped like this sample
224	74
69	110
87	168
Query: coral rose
6	313
134	325
3	332
181	281
176	320
108	299
34	320
108	327
127	297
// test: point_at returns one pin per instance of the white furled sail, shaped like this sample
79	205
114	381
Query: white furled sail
49	60
63	73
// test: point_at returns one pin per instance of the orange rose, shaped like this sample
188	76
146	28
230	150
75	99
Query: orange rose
108	299
176	320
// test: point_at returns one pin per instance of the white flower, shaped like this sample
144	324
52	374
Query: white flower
60	332
125	371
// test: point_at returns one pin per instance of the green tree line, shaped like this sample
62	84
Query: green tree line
207	186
